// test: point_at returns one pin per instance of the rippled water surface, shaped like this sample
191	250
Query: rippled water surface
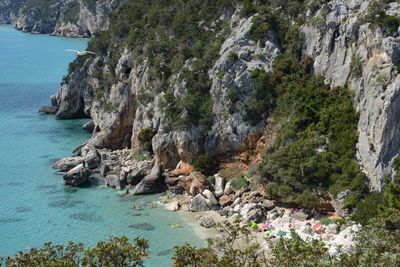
34	205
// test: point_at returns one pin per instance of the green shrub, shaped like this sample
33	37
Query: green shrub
206	164
262	99
239	183
108	106
233	56
368	208
145	137
221	74
356	68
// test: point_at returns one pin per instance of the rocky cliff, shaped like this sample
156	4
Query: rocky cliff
349	50
72	18
124	90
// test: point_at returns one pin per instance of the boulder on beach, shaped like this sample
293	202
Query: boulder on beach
205	221
211	200
77	176
172	206
219	185
64	165
226	200
194	184
253	212
152	183
199	203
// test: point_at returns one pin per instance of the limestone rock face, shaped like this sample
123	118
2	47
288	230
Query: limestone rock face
194	184
77	176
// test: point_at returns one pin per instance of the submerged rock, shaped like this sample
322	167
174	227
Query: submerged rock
142	226
172	206
85	217
77	176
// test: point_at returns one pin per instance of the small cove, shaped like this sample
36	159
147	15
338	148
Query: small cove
35	206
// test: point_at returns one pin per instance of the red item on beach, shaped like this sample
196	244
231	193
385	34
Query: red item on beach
316	226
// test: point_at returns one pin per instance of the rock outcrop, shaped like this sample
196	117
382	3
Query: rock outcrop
77	176
71	18
67	164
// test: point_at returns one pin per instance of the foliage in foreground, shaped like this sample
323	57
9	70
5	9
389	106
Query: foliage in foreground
377	245
116	251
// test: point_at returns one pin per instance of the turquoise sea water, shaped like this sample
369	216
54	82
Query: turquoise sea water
35	207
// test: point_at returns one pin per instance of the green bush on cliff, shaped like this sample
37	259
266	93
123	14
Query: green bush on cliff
145	137
207	164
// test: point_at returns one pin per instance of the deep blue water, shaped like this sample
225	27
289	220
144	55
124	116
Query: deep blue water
34	205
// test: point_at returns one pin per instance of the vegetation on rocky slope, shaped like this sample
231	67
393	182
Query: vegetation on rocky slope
317	126
316	140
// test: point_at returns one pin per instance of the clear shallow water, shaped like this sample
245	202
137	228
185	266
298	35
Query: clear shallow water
34	205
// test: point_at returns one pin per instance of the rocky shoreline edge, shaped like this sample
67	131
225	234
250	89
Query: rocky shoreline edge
206	201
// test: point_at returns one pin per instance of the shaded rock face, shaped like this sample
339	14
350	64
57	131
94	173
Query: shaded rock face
77	176
199	203
152	183
341	40
70	18
91	157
